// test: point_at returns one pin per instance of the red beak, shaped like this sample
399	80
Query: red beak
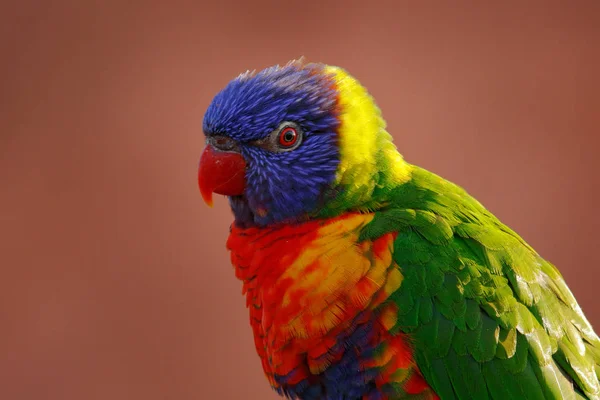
222	172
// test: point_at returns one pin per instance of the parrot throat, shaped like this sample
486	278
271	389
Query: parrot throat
317	301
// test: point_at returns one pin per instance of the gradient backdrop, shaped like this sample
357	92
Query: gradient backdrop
115	281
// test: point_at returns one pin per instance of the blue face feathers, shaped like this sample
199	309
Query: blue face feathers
281	186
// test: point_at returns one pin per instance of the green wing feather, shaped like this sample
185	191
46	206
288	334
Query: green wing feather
490	318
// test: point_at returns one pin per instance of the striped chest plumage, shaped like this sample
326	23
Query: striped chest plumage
322	324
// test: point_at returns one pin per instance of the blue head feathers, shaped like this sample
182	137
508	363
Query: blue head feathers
281	186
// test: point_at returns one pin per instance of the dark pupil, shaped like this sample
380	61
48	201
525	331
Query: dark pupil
288	136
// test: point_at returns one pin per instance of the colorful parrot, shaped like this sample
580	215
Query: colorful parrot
367	277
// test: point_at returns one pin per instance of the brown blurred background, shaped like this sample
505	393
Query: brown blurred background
115	280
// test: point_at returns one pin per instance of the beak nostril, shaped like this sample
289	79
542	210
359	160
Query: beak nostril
223	143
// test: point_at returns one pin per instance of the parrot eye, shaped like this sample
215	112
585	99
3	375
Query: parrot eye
288	137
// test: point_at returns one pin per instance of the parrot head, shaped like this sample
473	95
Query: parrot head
297	142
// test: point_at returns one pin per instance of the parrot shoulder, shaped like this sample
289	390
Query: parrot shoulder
490	318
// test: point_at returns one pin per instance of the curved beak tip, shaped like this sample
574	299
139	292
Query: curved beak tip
220	172
208	198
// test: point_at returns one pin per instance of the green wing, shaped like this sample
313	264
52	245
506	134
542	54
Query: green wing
490	318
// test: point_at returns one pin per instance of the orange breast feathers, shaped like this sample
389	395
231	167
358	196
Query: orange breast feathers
306	284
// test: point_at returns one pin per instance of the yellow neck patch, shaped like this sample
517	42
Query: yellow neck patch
366	148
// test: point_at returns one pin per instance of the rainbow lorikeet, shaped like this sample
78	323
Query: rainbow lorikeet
367	277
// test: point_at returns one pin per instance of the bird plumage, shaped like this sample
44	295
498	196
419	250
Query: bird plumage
367	277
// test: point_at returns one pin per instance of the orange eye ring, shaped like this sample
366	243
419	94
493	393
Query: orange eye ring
288	137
